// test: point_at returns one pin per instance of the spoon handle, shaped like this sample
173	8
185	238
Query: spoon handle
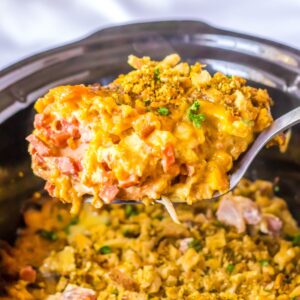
284	122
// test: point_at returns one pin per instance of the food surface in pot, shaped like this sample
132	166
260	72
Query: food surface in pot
166	129
246	246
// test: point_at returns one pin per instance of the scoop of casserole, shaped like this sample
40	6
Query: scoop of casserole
166	129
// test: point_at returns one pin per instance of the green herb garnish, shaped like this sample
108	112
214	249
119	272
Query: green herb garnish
130	210
130	234
59	218
276	189
195	244
296	240
48	234
163	111
194	115
219	224
156	74
105	250
194	107
159	217
264	262
72	222
230	268
248	122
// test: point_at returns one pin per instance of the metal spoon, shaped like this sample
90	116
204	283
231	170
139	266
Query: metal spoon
242	164
279	125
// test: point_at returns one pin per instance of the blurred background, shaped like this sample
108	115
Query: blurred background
30	26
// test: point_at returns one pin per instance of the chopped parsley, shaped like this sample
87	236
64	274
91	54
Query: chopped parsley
59	218
48	234
147	102
156	74
276	189
159	217
130	210
194	115
248	122
105	250
194	107
72	222
230	268
296	240
219	224
163	111
195	244
264	262
130	234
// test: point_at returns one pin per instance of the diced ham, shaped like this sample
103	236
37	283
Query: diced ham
28	274
40	120
67	165
249	209
62	132
130	181
38	159
41	148
146	130
74	292
86	134
108	193
168	158
49	187
238	211
58	138
78	165
71	127
229	213
270	224
123	279
105	166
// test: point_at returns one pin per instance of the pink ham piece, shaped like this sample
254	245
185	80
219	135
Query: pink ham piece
28	274
74	292
71	127
39	146
50	188
168	158
62	131
40	120
109	193
238	211
67	165
270	224
130	181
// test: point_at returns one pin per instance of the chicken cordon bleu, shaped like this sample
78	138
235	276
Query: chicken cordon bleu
166	130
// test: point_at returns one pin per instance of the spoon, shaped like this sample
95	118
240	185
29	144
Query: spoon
242	164
279	125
